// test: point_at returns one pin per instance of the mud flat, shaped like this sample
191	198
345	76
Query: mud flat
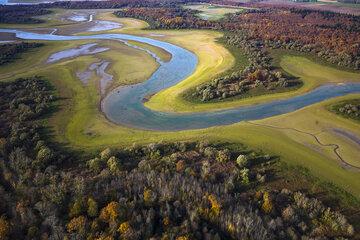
156	35
106	78
349	135
7	36
100	25
100	69
87	49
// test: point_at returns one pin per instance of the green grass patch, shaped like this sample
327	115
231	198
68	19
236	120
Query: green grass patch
164	55
278	54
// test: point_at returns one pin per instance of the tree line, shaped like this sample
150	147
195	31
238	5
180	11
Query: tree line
10	51
22	14
331	36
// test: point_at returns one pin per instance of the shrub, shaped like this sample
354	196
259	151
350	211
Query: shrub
76	225
124	227
92	210
242	161
210	152
223	156
205	169
4	228
267	205
114	165
77	208
180	166
245	176
111	212
149	196
43	157
95	164
106	154
215	205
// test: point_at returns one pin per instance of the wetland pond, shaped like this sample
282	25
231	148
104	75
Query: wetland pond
124	105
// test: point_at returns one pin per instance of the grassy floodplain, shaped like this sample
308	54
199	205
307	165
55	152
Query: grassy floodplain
312	74
80	123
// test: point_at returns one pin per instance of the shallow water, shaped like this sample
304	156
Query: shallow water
79	18
124	104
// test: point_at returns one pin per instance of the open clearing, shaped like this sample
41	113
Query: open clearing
213	12
80	123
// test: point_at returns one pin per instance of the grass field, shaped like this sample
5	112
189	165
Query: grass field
80	124
213	12
164	55
318	121
128	65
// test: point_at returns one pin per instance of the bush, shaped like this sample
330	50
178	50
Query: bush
4	228
223	156
114	165
242	161
92	210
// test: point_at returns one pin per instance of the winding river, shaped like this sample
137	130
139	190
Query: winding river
124	105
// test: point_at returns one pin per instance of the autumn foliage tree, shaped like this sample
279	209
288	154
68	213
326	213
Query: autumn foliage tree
111	212
4	228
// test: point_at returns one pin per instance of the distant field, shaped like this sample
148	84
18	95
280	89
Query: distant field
213	12
337	7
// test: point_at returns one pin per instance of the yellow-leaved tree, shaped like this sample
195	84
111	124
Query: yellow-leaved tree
110	212
4	228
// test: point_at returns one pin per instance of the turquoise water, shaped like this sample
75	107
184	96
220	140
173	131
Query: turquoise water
124	105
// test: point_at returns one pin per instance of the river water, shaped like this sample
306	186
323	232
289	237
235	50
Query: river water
124	105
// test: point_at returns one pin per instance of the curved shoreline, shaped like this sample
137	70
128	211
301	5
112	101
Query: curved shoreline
125	105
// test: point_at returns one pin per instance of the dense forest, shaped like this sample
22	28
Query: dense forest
350	1
26	14
22	14
11	51
331	36
119	4
180	191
